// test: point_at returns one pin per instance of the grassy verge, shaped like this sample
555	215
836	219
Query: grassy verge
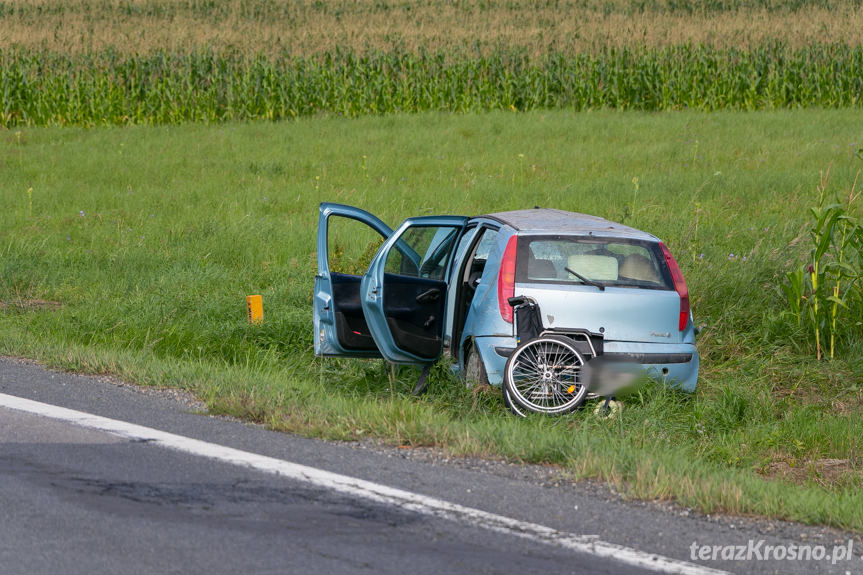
129	251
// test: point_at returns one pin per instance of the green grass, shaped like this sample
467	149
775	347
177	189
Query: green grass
150	238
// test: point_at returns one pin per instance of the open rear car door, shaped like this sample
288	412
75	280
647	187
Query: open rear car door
404	290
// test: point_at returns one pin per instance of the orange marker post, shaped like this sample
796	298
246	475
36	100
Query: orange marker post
255	309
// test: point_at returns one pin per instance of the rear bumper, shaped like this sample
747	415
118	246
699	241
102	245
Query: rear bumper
675	364
651	358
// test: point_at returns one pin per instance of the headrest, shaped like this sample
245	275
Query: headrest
600	268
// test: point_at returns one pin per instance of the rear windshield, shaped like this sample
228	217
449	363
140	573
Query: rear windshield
607	261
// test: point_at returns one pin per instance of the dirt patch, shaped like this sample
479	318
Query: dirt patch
847	405
825	472
31	305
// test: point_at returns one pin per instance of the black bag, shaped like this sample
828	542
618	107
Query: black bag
528	321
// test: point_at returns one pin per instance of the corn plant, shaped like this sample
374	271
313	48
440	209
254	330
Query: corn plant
827	289
96	88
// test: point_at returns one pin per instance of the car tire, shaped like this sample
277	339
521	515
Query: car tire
543	376
474	369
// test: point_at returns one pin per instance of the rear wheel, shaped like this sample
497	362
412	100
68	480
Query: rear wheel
474	369
543	375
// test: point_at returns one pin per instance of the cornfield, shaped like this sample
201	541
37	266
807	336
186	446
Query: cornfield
312	27
200	86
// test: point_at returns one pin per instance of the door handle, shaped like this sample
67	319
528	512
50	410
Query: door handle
429	296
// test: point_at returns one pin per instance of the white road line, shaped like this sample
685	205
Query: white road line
365	489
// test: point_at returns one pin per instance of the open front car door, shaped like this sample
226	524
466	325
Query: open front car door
404	291
340	327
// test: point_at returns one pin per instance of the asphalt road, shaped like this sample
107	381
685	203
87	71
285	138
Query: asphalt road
75	500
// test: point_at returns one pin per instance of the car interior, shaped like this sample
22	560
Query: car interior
625	264
351	328
473	267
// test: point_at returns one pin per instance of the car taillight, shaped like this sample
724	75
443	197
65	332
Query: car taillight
679	285
506	280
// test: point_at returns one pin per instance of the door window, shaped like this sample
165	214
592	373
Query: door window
351	245
422	252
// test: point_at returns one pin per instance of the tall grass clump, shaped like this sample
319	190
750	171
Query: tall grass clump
106	87
824	295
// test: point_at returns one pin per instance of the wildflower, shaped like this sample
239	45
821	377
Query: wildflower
82	213
701	256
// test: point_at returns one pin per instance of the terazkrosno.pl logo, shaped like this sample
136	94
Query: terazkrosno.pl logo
759	550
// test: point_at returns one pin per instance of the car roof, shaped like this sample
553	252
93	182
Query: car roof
547	220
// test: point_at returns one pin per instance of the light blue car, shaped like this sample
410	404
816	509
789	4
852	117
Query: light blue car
528	300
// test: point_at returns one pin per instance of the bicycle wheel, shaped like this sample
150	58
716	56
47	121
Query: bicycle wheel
543	375
514	408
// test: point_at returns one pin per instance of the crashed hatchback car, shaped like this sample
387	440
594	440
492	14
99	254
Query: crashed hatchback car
523	299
